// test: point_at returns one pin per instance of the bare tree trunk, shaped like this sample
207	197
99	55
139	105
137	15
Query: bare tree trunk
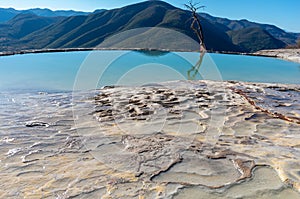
196	25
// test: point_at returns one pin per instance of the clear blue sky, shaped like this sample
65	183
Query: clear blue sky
282	13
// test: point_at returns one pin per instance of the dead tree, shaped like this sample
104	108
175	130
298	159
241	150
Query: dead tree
196	25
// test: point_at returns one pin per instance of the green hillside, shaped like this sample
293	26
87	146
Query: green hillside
254	39
236	25
29	31
19	27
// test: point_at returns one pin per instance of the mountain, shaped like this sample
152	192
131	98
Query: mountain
253	39
118	28
22	25
57	13
91	30
8	13
236	25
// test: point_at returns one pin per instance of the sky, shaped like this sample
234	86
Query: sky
282	13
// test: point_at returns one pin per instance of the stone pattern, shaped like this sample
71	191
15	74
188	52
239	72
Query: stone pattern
181	139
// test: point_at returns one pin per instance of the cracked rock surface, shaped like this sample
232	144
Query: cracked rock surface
180	139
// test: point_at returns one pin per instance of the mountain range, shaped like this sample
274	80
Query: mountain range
44	29
8	13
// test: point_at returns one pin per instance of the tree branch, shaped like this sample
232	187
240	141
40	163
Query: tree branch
196	24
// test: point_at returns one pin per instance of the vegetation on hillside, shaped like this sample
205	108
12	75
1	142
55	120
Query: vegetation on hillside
295	46
36	32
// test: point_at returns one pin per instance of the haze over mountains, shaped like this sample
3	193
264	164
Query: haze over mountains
43	28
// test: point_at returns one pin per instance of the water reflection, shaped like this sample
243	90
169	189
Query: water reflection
153	53
192	73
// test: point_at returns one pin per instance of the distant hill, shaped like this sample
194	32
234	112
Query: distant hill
22	25
57	13
236	25
253	39
8	13
89	30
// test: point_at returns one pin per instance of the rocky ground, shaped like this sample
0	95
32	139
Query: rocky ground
185	139
211	124
287	54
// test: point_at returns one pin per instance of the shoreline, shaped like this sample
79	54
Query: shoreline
285	54
33	51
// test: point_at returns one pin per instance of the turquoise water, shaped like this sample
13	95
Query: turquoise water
88	70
